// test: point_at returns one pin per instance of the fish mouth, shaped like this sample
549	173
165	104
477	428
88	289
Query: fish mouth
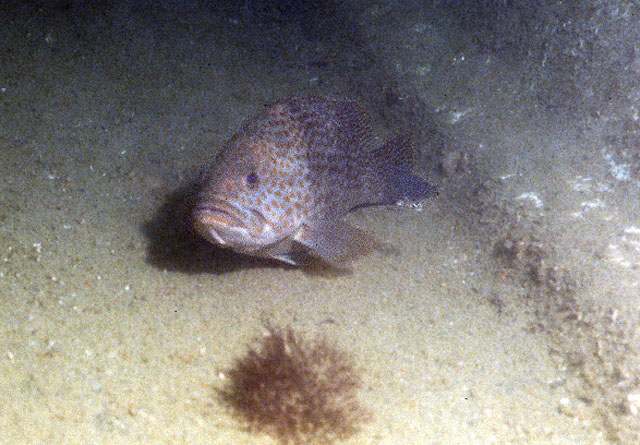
226	224
218	214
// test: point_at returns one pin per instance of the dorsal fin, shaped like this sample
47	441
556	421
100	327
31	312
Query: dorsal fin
356	131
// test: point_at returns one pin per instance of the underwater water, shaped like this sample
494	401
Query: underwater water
506	310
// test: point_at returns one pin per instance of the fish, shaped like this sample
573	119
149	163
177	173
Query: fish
283	184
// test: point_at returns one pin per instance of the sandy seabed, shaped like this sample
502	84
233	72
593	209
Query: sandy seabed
516	326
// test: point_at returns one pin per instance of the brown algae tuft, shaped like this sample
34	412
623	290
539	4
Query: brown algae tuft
296	390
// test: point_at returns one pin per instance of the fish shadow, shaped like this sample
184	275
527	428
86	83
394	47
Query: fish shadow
173	245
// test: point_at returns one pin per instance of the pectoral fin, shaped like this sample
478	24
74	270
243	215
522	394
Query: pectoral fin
337	242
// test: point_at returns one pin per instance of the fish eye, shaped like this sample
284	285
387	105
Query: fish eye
251	179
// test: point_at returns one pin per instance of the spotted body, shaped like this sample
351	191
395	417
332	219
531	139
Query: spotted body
282	186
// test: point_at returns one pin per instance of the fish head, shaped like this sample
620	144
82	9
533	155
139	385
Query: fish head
252	196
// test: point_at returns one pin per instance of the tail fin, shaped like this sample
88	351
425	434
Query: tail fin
395	162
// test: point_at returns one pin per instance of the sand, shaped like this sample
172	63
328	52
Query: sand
508	313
